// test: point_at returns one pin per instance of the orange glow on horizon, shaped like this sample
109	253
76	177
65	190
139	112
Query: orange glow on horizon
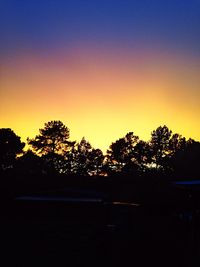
101	97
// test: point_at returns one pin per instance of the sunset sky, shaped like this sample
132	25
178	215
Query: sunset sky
102	67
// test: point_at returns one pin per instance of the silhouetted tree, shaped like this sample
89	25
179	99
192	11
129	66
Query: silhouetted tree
52	143
142	155
53	138
10	147
86	160
80	157
122	154
164	148
186	161
32	165
160	147
176	143
96	159
29	162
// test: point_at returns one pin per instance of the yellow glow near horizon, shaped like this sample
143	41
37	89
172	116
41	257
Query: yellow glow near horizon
101	97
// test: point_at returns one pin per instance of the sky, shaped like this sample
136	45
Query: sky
102	67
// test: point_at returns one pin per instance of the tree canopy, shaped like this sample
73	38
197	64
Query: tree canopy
53	139
10	147
121	152
165	153
86	159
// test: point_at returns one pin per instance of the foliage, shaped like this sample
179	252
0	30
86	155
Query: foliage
86	160
159	146
164	154
52	143
30	163
122	153
53	139
186	161
10	147
163	146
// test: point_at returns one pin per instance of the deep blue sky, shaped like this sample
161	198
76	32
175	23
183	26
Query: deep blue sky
51	24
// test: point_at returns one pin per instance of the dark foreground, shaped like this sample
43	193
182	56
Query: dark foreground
97	234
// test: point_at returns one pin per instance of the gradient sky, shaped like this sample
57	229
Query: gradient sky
103	67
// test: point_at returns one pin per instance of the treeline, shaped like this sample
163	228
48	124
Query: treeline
51	152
